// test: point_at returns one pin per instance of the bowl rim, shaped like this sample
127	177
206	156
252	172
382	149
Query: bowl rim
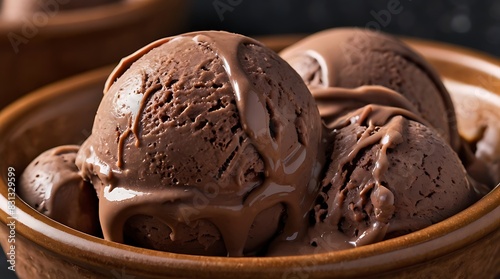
426	244
87	20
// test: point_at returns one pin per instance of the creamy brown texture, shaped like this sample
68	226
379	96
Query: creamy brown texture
52	185
389	176
207	127
351	57
207	143
361	201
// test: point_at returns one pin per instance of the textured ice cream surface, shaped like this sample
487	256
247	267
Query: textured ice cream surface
208	143
199	237
52	185
204	130
388	177
351	57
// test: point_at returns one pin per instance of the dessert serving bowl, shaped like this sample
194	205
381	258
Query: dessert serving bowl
464	245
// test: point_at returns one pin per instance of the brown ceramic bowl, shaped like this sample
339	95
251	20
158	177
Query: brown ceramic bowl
463	246
54	43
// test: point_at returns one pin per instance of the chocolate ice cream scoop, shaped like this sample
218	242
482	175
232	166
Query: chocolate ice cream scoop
388	175
208	134
351	57
52	185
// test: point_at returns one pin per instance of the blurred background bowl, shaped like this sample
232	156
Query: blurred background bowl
463	246
58	39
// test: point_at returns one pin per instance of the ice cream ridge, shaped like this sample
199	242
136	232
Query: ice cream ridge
209	143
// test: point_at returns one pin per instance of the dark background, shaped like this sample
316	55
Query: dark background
474	24
470	23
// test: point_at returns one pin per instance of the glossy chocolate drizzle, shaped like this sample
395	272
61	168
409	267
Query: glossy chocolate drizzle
385	114
291	176
391	132
335	102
